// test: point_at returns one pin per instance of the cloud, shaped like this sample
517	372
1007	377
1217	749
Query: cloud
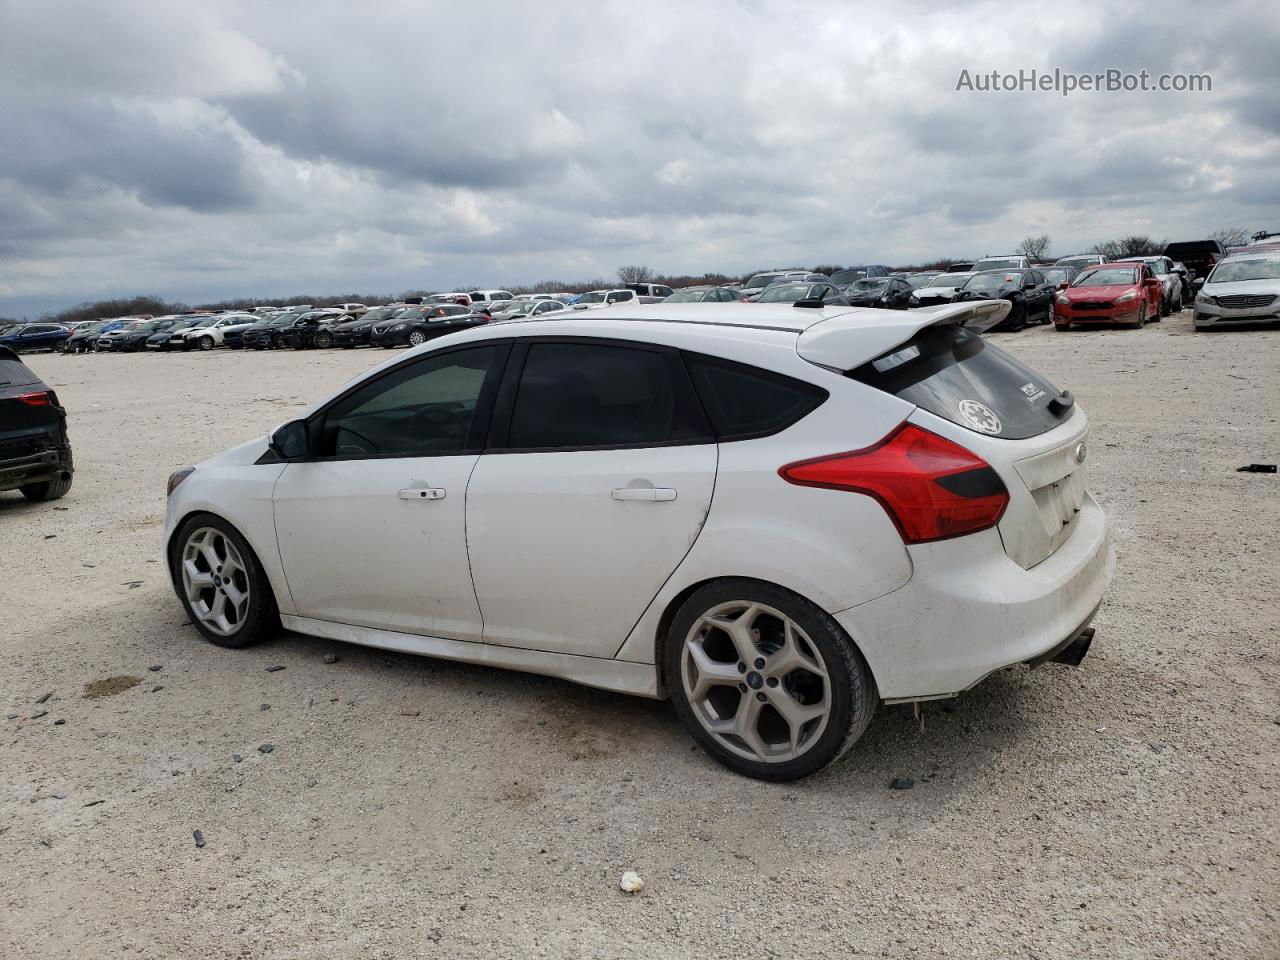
207	149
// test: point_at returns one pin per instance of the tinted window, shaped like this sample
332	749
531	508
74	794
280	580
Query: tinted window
15	372
424	408
594	395
743	401
951	372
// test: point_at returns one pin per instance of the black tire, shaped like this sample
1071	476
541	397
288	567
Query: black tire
324	340
262	618
49	490
851	688
1165	307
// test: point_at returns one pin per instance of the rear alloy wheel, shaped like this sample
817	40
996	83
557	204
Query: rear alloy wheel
324	339
221	583
766	683
205	342
417	338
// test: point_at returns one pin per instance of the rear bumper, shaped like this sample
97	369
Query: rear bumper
35	467
969	610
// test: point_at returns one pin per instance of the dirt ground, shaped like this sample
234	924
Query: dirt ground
417	808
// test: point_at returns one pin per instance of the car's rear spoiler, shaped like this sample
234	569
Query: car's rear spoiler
849	340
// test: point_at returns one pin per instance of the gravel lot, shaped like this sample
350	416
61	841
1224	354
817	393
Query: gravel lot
418	808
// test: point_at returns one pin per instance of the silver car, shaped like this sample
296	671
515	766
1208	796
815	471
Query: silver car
1162	267
1242	289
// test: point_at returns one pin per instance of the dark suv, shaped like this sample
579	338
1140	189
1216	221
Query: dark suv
35	454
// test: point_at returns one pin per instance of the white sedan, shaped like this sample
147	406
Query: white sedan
778	516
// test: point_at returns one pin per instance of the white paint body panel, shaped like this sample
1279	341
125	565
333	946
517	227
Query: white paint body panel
970	609
355	552
559	563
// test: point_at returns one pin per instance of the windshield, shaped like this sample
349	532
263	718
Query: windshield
919	280
1230	271
848	276
1076	261
687	296
1110	276
1055	276
990	281
282	320
785	293
949	280
380	313
999	263
867	286
762	279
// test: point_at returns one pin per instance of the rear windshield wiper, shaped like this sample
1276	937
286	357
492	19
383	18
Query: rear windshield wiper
1061	404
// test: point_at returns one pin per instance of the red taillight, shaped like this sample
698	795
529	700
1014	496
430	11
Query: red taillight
40	399
931	488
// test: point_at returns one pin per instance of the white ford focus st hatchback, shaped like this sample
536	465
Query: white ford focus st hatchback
778	516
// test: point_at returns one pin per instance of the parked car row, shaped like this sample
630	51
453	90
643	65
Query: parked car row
1228	287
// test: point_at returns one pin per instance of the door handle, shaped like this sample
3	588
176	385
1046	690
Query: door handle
650	494
421	493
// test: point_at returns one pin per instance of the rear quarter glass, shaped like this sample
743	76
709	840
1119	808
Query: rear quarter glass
957	375
15	373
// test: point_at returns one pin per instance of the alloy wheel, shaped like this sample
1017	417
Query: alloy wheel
755	681
215	581
417	338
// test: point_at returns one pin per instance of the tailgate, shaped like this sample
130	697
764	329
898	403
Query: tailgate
1046	476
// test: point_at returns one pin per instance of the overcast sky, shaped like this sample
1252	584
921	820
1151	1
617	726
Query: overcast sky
198	150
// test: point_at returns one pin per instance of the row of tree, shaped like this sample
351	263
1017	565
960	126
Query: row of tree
1034	247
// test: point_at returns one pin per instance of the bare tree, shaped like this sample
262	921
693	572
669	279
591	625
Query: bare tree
1034	248
1135	245
1230	236
634	274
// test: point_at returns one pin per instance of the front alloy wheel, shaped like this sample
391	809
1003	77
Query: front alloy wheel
417	338
221	583
206	342
769	684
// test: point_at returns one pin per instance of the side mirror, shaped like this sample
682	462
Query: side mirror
290	441
1198	282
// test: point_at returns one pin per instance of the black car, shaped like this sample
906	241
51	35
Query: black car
842	278
311	329
265	334
132	337
792	292
356	332
35	454
1026	289
1198	256
420	324
159	340
886	293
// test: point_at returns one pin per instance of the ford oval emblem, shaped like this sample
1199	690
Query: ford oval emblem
1082	451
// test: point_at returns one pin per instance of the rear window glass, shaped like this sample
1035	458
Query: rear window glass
583	395
956	374
744	402
15	372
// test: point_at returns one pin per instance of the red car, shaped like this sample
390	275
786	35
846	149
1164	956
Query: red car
1124	293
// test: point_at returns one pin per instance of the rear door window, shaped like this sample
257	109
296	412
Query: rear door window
592	396
956	374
